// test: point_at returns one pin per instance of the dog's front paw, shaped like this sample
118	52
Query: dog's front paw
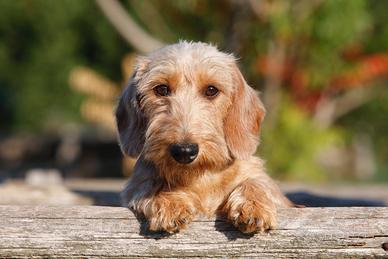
169	214
251	217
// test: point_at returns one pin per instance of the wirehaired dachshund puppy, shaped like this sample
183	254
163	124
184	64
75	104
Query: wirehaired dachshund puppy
193	123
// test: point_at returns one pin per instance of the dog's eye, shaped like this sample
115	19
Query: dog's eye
162	90
211	91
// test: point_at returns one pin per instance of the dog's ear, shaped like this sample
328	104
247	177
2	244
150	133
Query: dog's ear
244	117
131	121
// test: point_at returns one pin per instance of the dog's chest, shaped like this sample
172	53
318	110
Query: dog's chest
212	190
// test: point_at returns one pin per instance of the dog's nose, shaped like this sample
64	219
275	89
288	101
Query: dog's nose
184	153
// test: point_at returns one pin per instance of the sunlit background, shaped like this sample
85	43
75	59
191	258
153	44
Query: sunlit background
321	67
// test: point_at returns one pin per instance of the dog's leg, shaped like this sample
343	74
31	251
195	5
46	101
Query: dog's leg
165	209
251	206
170	211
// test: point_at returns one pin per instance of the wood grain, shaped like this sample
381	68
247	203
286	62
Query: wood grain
110	232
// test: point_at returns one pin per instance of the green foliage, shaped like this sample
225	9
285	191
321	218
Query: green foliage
293	147
40	42
332	31
371	120
378	33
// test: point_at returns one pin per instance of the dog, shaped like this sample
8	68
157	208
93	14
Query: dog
193	122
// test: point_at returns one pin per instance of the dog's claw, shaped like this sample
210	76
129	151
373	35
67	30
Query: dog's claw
235	221
258	222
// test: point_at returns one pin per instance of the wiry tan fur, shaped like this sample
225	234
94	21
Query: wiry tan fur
224	178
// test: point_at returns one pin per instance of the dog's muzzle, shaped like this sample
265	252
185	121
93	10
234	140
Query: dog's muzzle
184	153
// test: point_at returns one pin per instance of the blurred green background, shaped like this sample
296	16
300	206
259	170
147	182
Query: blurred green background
321	67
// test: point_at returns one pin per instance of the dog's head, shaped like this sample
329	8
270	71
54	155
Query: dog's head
188	108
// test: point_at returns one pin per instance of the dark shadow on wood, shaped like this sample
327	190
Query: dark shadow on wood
144	229
228	230
102	198
313	200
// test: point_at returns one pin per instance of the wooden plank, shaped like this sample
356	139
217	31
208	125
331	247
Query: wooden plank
109	232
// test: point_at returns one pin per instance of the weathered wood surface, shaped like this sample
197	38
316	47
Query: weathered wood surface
109	232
